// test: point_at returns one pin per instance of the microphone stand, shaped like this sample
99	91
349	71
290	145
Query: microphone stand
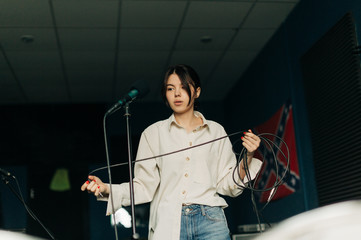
6	181
137	90
127	115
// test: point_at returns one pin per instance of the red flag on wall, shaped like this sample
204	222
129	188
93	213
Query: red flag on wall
280	124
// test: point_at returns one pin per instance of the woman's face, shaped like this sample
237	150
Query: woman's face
177	96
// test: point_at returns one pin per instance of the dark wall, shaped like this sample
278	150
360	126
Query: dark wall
36	140
276	76
41	138
12	214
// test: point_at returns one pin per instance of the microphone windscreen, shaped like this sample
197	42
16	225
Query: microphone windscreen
142	88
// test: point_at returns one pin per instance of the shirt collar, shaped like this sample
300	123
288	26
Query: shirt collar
172	121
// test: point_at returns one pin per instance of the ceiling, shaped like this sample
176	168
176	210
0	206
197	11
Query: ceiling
91	51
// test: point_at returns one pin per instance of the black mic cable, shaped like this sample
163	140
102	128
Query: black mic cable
278	181
109	174
5	178
164	154
139	89
242	154
188	148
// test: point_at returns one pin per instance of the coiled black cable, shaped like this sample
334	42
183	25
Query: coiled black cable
242	155
252	187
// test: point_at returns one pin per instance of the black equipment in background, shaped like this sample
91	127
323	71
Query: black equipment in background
6	177
332	85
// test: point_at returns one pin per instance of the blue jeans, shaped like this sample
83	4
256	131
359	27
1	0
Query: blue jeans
200	222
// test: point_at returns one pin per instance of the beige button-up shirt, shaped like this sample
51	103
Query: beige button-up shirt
194	176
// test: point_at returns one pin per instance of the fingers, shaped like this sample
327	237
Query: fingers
98	191
93	185
89	185
250	141
91	177
83	187
86	184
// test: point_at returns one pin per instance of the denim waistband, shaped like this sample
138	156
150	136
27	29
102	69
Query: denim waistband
193	209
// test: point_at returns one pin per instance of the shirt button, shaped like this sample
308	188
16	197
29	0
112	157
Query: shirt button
190	144
187	158
184	192
186	175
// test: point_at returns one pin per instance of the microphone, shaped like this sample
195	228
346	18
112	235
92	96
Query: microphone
5	173
139	89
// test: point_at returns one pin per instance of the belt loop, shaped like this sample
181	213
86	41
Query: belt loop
203	210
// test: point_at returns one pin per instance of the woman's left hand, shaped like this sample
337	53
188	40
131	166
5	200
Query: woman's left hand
251	142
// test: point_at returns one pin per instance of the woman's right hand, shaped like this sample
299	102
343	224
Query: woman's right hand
96	186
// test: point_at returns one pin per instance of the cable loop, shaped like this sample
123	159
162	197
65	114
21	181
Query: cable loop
236	173
242	154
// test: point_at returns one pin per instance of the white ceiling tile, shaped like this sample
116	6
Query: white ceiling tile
89	60
126	78
268	14
40	86
190	39
90	77
43	39
35	61
48	93
144	14
251	39
222	14
38	78
142	61
87	39
90	13
87	36
146	39
201	61
29	13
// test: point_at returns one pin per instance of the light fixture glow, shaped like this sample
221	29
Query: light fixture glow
122	217
60	181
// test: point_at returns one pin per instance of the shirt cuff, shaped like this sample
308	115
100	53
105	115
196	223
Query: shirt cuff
253	169
117	199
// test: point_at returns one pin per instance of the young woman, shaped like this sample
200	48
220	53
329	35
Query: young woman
183	188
